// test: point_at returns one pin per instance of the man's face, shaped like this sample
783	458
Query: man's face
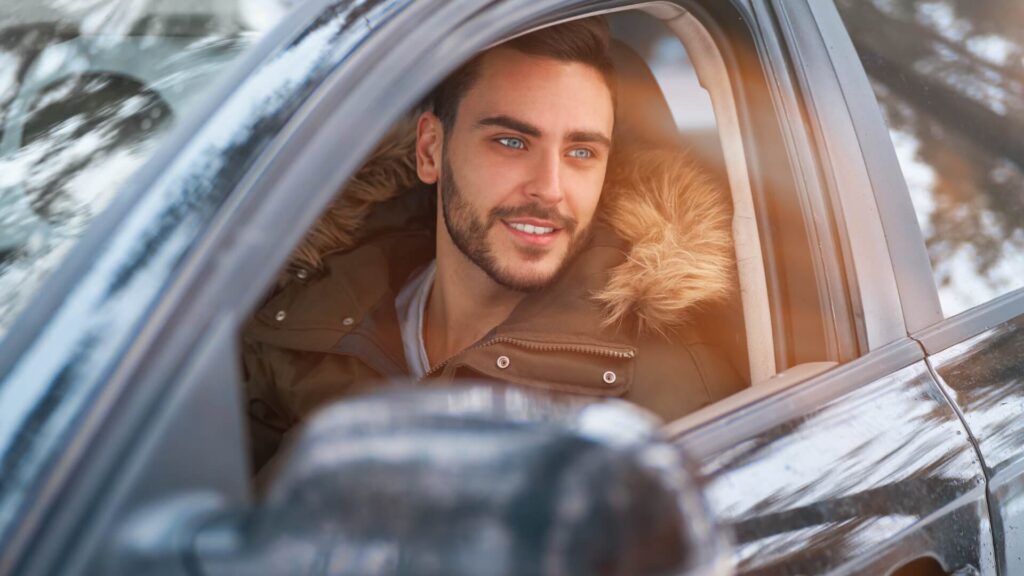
522	169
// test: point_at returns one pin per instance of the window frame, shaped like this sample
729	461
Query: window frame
889	272
820	273
798	225
971	322
713	72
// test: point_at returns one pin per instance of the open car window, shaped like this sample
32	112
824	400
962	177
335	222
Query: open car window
336	322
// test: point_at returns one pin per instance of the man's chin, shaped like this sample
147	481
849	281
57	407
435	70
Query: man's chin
524	280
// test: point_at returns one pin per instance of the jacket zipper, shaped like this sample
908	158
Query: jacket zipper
539	347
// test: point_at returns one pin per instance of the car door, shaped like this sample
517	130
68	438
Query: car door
864	468
863	471
978	357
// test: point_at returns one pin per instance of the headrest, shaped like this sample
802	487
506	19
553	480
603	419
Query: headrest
643	117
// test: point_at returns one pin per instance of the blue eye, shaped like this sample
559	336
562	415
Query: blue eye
581	153
513	143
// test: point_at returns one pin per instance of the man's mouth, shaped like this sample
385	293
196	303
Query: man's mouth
531	229
533	232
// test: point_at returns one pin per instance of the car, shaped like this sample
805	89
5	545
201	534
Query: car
158	166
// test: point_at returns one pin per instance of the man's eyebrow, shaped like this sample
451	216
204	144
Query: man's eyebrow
578	136
510	123
585	136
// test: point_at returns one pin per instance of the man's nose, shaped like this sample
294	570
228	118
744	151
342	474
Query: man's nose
545	184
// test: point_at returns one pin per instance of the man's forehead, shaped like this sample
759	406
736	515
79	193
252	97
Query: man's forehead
569	95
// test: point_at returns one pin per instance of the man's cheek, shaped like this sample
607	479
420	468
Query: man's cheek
587	201
496	165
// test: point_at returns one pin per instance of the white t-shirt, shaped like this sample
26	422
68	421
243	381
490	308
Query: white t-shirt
410	305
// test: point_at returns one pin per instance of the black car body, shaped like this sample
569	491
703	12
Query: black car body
878	435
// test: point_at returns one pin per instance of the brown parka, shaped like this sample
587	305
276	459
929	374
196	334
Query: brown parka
614	323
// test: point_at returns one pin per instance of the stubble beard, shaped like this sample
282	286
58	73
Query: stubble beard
469	234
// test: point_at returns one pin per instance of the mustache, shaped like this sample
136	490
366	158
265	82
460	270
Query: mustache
532	210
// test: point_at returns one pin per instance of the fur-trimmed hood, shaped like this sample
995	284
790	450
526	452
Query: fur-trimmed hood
675	221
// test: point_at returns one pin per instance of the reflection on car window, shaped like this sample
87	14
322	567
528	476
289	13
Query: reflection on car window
87	90
949	75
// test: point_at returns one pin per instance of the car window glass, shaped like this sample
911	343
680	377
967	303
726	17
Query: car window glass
87	91
949	76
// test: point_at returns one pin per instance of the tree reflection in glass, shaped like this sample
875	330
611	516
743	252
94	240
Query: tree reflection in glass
949	75
88	89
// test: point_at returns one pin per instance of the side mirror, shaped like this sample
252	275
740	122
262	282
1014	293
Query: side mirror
473	481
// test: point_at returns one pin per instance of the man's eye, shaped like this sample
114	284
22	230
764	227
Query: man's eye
581	153
514	143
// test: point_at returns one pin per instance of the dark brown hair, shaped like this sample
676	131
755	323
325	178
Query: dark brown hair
585	41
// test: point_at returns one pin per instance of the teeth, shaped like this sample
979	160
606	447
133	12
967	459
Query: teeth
531	229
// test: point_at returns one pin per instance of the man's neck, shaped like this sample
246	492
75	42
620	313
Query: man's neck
464	305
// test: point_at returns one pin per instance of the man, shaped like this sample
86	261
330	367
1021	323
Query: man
532	265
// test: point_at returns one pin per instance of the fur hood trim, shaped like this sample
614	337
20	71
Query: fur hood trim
662	203
389	171
678	226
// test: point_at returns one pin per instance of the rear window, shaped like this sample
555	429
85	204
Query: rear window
949	76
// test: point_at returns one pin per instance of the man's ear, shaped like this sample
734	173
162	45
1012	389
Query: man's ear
429	143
